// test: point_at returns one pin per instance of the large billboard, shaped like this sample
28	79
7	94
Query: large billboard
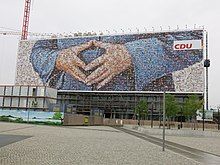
171	61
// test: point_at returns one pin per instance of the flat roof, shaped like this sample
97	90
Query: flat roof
138	92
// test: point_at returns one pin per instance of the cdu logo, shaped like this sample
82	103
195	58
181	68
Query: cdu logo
187	44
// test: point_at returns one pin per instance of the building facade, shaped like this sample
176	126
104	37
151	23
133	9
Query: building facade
27	97
115	104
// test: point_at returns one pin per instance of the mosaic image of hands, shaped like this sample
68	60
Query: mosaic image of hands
117	63
114	61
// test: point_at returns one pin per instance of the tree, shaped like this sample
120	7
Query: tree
191	105
172	106
141	110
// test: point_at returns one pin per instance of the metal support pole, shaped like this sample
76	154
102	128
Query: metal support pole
28	111
28	116
218	119
159	112
152	115
203	118
207	78
164	121
206	65
207	93
181	122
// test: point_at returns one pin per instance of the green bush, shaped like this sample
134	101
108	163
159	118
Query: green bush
45	123
4	118
19	120
57	116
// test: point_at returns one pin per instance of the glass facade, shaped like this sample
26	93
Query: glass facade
1	101
2	89
40	102
32	91
24	91
15	101
23	103
7	101
16	90
8	90
41	91
114	104
27	97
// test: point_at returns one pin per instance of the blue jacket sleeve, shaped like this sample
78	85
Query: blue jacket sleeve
147	57
43	58
153	59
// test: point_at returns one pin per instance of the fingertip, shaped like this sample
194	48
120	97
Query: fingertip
91	42
99	86
88	80
79	62
88	67
83	76
83	66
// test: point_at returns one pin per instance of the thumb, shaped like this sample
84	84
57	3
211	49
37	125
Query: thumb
79	62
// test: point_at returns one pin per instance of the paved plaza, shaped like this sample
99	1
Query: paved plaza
38	144
208	140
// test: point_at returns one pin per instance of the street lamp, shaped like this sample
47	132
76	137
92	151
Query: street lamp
206	65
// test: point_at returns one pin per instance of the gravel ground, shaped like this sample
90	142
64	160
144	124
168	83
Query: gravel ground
208	140
81	145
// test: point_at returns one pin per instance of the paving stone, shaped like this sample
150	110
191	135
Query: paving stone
82	145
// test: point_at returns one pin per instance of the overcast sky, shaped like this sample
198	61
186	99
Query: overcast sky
58	16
